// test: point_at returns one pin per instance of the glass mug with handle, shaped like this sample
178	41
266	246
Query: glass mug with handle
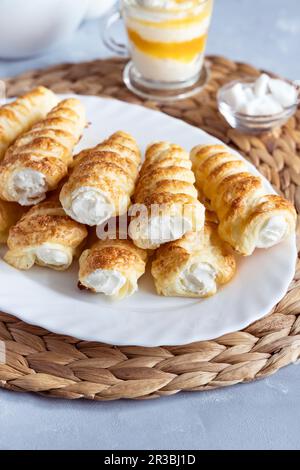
166	40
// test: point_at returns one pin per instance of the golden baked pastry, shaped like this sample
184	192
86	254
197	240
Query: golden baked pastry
249	216
10	213
102	180
39	159
194	266
20	115
166	204
45	235
112	267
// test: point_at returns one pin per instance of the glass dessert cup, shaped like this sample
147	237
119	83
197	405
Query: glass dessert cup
166	45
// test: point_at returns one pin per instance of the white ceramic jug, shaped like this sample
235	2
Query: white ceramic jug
28	27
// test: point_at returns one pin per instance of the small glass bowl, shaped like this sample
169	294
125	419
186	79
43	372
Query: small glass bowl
252	124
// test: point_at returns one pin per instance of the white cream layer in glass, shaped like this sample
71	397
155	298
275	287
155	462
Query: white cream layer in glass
166	4
171	35
165	70
154	9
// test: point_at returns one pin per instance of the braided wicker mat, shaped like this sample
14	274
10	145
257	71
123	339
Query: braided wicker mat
59	366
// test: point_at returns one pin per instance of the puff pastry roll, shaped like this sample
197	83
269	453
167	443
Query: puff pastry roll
45	235
19	116
194	266
112	267
39	159
249	217
102	180
166	196
10	213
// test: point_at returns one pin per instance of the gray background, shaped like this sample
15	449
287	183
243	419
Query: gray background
260	415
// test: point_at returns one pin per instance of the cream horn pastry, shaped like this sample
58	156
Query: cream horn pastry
102	180
194	266
21	114
112	267
46	236
10	213
39	159
166	205
250	217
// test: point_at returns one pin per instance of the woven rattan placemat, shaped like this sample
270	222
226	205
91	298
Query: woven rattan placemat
59	366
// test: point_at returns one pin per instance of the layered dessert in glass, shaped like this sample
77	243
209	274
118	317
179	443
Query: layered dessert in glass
167	40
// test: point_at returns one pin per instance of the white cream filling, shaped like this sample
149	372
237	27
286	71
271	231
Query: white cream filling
90	206
106	281
164	229
52	254
29	186
199	278
272	232
158	230
165	70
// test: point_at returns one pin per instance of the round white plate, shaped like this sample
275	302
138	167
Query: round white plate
52	300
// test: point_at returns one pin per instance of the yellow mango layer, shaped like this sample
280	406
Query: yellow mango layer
184	51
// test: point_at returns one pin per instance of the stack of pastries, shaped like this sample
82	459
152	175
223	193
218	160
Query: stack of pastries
51	203
166	192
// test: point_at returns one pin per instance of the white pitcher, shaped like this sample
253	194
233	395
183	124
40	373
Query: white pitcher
30	27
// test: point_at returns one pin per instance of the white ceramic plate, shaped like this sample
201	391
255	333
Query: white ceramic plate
52	300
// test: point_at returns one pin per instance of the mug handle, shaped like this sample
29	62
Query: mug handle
109	41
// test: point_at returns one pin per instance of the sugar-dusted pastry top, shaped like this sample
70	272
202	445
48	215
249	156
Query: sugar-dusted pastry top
20	115
102	180
10	213
194	266
112	267
45	235
39	159
165	190
249	216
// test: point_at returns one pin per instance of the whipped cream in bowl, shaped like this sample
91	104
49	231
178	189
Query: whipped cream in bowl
257	106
